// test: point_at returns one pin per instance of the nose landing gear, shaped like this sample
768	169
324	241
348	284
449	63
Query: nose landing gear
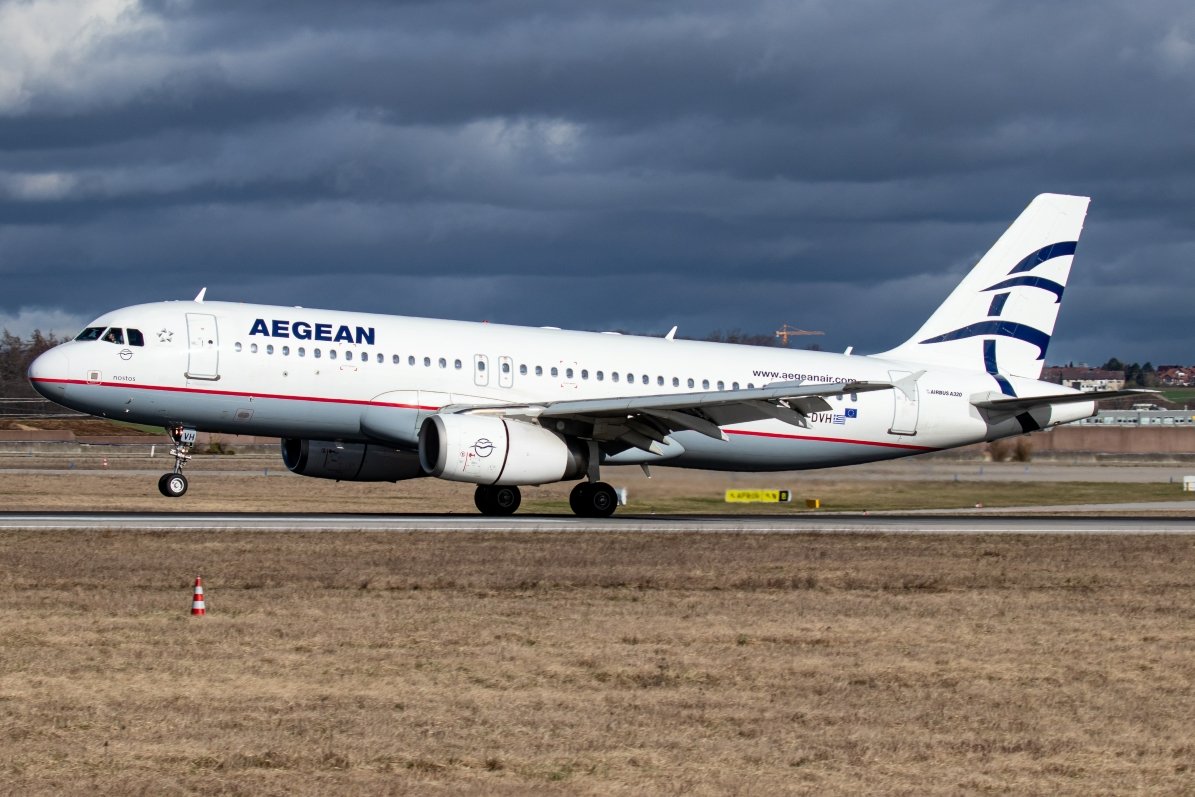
174	484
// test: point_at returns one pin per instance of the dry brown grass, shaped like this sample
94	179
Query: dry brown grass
596	664
249	490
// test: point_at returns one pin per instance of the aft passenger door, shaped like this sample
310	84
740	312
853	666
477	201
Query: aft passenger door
203	347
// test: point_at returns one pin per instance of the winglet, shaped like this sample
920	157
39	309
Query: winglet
671	334
200	295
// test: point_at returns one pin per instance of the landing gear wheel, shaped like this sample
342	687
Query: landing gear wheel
579	498
593	499
172	485
497	500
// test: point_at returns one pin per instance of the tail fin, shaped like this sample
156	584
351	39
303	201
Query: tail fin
1001	316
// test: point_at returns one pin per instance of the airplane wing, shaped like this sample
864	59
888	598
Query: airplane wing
645	421
1033	402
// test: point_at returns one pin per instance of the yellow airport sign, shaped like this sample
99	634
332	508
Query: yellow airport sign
758	496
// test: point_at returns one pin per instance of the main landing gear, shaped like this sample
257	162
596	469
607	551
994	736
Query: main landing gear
593	499
588	499
174	484
493	499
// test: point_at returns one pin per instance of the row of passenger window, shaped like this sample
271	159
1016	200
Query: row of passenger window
570	374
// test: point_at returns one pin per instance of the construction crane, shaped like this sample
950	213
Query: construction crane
785	332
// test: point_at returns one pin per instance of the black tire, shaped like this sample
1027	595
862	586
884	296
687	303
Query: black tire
578	499
593	499
497	500
602	500
172	485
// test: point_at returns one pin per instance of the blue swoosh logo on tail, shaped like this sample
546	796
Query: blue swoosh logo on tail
1060	249
1004	329
1031	282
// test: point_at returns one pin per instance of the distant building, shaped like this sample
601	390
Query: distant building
1176	375
1083	378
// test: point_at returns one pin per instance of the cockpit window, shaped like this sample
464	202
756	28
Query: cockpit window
91	333
135	337
114	335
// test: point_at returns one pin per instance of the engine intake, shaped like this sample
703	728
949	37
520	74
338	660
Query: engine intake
488	449
349	462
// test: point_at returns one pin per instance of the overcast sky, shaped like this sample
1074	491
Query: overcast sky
604	165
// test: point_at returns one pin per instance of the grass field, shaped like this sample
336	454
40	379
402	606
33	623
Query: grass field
596	664
250	490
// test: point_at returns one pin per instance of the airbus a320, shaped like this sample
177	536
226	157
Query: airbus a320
364	397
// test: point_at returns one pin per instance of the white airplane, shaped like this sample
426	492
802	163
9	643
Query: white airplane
362	397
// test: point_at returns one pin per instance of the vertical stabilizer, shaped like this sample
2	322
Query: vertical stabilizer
1001	316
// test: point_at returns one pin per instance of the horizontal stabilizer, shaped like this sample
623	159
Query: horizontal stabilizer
1032	402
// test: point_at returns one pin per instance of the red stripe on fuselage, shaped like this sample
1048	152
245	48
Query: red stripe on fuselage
811	438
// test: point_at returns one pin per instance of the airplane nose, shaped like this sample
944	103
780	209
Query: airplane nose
49	372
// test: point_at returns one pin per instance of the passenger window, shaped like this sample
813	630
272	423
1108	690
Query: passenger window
115	335
750	385
270	349
91	333
676	381
443	363
286	351
237	347
411	360
396	359
600	376
457	364
539	370
522	370
646	380
505	367
614	376
555	371
331	354
721	385
136	338
253	348
584	373
734	385
854	397
481	365
690	383
705	384
568	373
302	352
631	378
315	353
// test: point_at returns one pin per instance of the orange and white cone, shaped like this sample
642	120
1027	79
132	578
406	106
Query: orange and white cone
197	607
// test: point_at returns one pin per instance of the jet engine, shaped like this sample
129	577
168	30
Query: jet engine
349	462
488	449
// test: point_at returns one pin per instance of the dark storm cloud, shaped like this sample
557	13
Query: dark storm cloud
616	165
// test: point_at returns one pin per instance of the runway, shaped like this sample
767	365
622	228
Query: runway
874	523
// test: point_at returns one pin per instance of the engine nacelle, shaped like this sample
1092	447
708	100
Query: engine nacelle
349	462
488	449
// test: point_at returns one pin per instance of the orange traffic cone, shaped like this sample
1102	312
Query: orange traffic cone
197	606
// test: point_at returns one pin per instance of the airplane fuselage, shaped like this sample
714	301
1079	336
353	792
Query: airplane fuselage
364	378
